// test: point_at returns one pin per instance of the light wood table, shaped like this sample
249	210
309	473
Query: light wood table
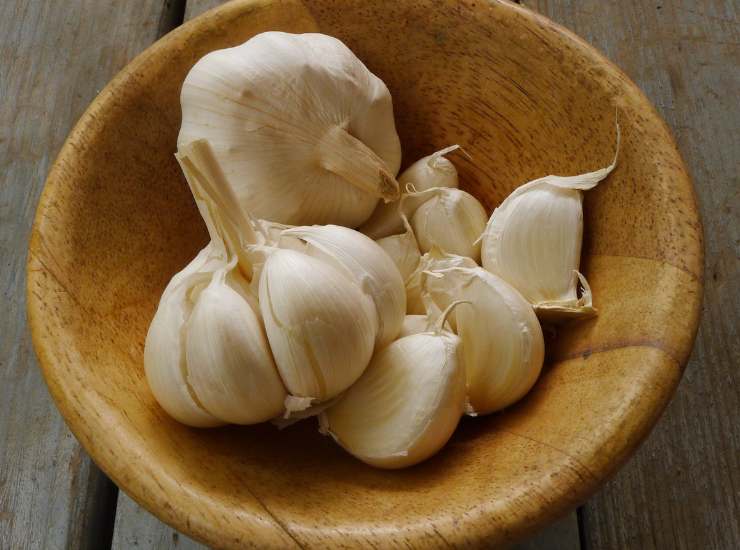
682	488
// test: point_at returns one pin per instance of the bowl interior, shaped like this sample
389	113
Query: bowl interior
524	98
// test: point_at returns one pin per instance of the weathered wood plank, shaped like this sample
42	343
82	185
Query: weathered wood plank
54	57
137	528
681	489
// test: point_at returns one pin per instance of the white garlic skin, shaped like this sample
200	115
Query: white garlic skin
405	406
229	362
367	263
431	171
303	131
403	250
451	220
320	325
502	339
434	260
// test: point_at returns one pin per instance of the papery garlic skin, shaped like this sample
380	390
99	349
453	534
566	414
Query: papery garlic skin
431	171
434	260
403	250
320	325
533	241
451	220
229	362
502	340
303	131
405	406
367	263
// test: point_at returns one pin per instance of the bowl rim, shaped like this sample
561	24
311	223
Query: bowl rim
476	525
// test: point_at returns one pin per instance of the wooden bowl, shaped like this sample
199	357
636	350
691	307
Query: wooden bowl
525	98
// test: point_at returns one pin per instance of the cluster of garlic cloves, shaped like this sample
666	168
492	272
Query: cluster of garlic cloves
388	333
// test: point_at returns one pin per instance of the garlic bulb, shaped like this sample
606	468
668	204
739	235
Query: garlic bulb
406	405
449	219
366	263
533	241
303	131
403	250
501	337
431	171
206	357
320	325
434	260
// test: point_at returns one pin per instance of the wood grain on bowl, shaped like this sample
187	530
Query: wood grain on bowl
526	98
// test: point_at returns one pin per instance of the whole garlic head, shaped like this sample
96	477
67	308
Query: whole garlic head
303	131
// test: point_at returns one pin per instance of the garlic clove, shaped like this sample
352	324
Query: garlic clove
164	357
403	250
405	406
434	260
533	241
449	219
367	264
303	131
502	340
229	363
431	171
320	325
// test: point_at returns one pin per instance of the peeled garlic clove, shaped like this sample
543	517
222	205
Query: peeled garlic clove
451	220
501	337
431	171
164	357
533	241
229	362
403	250
303	131
434	260
367	263
405	406
320	325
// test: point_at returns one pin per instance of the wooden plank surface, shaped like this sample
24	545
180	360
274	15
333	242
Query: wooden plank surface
683	54
682	489
54	57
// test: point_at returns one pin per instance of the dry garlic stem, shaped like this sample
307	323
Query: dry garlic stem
303	131
431	171
449	219
501	337
533	241
406	405
320	325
